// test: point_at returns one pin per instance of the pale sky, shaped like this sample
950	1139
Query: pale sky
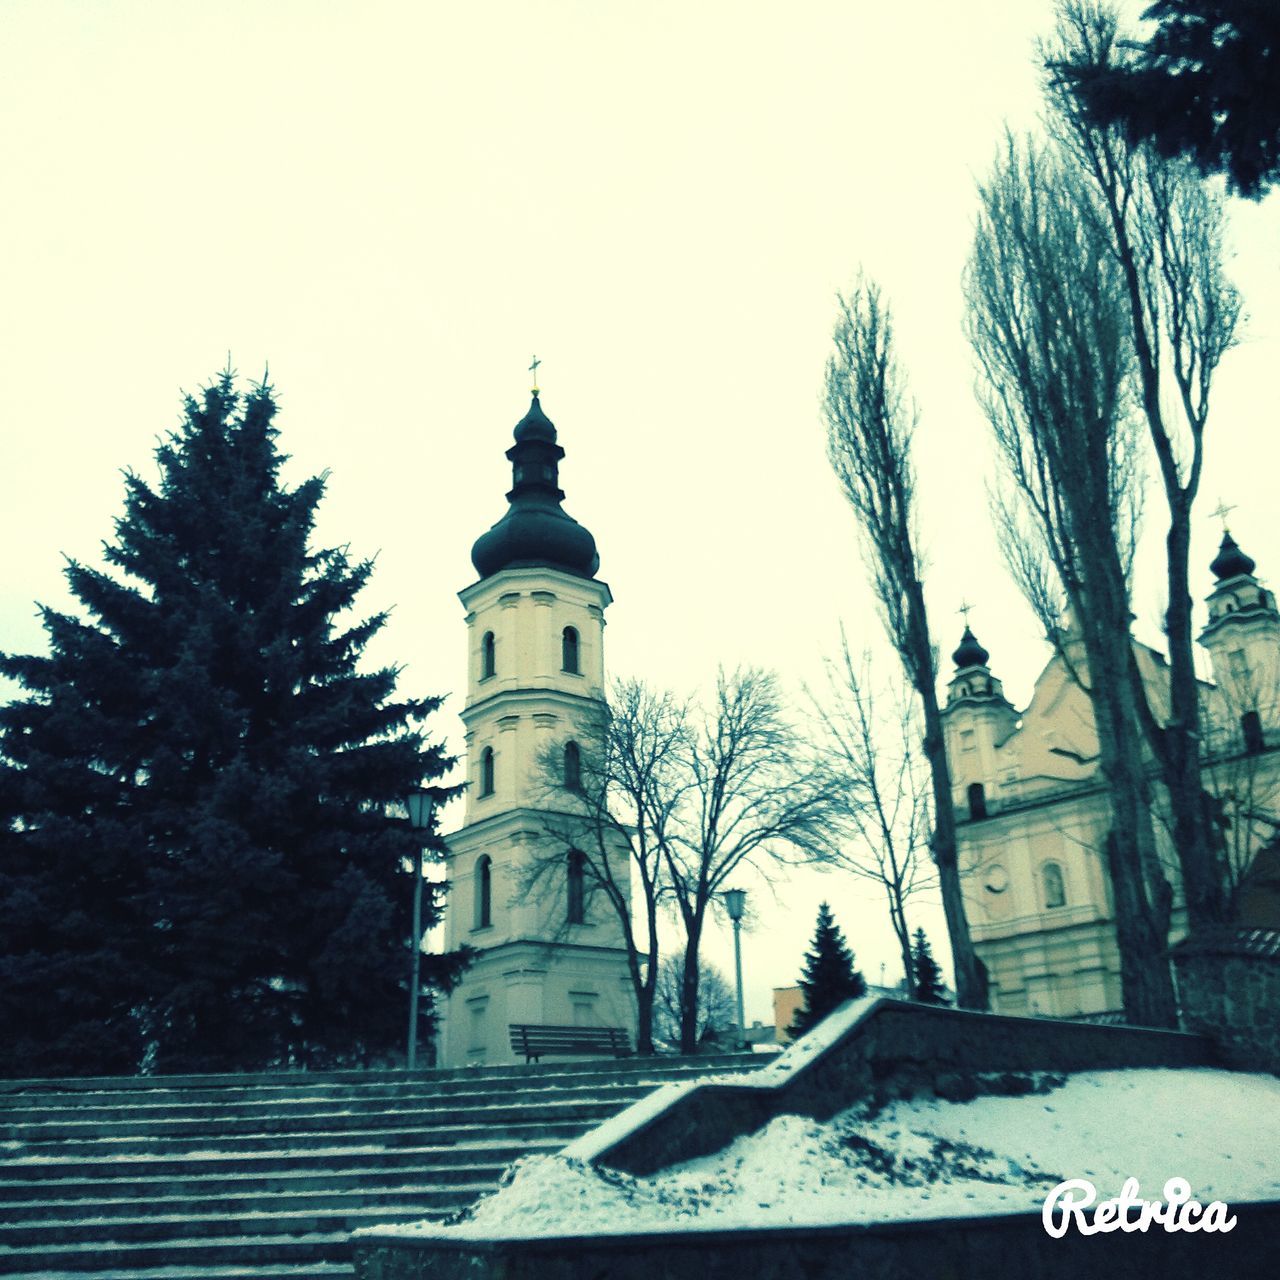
397	204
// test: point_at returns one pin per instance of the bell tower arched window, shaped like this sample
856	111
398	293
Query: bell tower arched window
569	651
576	871
484	891
1055	889
977	801
488	656
486	772
1251	728
572	767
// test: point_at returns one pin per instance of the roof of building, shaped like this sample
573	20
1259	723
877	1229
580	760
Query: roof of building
1231	562
970	653
536	531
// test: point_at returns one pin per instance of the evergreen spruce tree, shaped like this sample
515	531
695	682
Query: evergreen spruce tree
925	974
829	974
199	866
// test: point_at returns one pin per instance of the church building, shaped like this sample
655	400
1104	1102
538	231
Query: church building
1032	806
549	951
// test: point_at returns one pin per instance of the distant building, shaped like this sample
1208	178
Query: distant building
788	1001
551	954
1032	806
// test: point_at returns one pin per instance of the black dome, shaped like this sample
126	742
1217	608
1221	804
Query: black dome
535	425
536	532
1231	562
970	653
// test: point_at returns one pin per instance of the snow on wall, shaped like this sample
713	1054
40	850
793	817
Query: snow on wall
915	1159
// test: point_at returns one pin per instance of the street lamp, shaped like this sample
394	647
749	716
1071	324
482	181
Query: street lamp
422	813
735	901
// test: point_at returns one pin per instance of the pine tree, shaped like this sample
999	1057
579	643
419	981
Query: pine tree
200	866
925	974
829	974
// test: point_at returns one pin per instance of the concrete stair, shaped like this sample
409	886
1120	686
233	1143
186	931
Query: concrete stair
232	1177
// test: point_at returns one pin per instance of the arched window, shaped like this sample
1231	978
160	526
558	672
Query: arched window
572	767
569	651
486	772
977	801
488	658
484	891
577	895
1251	728
1055	891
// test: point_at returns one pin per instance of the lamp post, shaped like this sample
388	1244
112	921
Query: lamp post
422	812
735	901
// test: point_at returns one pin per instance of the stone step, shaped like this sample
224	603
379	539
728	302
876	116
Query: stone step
261	1224
334	1177
94	1213
226	1178
260	1271
566	1123
76	1091
490	1110
353	1103
27	1168
173	1255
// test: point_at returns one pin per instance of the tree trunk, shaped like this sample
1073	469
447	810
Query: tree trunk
898	918
689	988
645	993
1140	892
1179	750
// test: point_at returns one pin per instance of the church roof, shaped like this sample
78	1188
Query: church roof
1231	562
536	531
970	653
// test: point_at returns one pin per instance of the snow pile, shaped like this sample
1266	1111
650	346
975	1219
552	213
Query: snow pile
921	1158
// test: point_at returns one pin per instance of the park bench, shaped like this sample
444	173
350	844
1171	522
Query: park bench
534	1041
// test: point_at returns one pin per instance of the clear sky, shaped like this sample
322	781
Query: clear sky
397	204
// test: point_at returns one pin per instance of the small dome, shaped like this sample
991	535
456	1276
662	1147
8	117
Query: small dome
1231	562
535	531
970	653
535	425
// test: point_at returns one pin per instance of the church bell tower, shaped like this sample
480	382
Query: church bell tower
549	952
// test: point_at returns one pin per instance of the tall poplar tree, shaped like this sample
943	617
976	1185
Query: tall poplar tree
201	867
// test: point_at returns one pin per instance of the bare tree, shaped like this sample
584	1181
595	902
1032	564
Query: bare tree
1164	231
870	425
609	798
1238	774
717	1005
1046	318
750	797
878	788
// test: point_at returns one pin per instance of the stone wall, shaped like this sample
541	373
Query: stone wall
892	1048
958	1249
1229	988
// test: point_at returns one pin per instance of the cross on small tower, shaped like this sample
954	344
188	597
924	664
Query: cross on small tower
964	608
533	369
1221	511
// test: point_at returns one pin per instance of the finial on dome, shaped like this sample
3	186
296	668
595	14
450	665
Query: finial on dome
533	369
1231	562
970	653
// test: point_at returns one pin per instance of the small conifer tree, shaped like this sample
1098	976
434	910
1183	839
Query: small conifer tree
926	976
829	974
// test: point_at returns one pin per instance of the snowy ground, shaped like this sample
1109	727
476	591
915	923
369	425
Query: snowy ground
920	1159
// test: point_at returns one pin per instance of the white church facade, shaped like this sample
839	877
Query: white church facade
549	952
1031	804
